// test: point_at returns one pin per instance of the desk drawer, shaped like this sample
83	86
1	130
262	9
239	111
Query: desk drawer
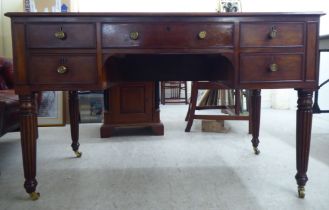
271	67
167	35
50	69
61	35
272	34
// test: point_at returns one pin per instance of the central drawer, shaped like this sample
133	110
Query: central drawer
66	69
167	35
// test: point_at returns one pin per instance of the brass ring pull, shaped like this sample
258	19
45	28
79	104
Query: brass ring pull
274	67
60	35
202	34
62	69
134	35
273	33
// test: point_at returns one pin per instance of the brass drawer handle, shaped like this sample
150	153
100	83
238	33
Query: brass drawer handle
273	33
274	67
134	35
202	34
62	69
60	35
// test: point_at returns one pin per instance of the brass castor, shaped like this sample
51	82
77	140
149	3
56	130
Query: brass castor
301	192
78	154
256	150
34	195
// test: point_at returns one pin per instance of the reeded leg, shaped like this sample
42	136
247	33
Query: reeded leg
255	118
303	137
74	121
28	129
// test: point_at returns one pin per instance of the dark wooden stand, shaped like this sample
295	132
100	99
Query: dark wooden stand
132	105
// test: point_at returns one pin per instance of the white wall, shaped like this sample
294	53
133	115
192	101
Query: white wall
1	29
202	6
147	5
324	75
5	33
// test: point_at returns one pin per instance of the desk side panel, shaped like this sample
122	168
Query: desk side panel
312	52
19	53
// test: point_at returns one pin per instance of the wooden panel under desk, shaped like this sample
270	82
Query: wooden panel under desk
131	103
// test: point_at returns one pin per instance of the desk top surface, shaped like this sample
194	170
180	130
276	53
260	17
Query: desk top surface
167	14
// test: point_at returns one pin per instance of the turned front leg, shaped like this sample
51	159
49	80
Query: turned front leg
29	133
255	118
303	137
74	121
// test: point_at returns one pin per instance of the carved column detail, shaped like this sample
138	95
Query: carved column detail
303	137
28	129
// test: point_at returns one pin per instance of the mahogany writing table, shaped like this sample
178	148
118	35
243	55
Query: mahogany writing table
90	51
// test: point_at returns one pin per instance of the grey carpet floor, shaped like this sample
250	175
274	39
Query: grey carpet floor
179	170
